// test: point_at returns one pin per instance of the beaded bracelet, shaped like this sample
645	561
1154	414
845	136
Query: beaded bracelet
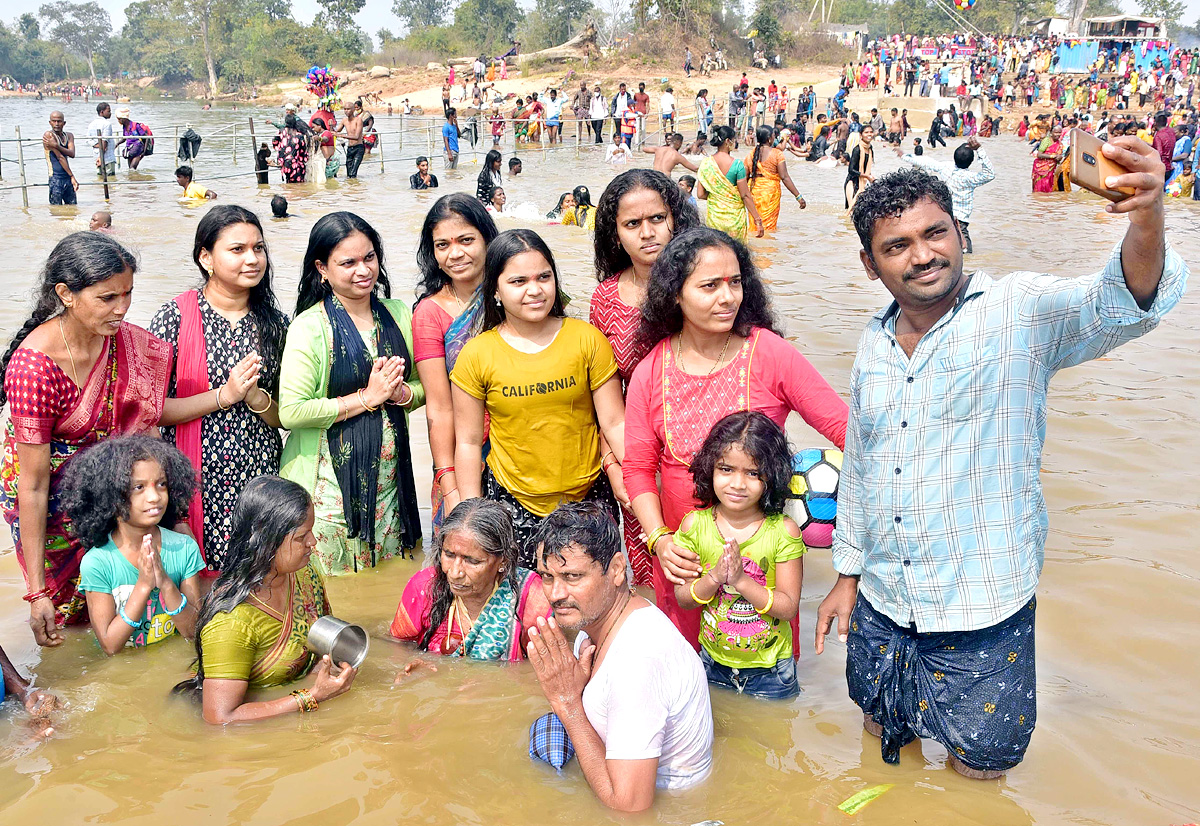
182	605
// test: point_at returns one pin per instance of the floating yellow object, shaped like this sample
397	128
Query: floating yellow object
852	804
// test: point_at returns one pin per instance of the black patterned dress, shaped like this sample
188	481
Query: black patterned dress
236	445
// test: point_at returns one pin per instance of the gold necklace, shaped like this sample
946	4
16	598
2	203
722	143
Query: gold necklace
70	355
461	304
720	358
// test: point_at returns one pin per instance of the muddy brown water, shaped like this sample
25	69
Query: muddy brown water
1117	742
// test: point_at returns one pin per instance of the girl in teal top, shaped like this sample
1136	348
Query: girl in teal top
752	557
141	580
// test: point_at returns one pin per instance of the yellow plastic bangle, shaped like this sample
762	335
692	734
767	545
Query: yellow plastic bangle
697	599
770	601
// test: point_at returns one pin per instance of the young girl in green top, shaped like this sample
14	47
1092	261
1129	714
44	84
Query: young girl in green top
752	557
141	580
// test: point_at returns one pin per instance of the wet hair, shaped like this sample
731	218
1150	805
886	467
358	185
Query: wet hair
491	526
326	234
891	194
661	314
290	121
586	525
513	163
184	172
279	206
720	134
490	160
269	510
458	204
583	196
963	156
272	324
506	246
763	136
95	487
558	208
79	261
611	257
422	159
760	439
690	180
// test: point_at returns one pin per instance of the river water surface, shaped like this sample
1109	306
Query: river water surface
1117	742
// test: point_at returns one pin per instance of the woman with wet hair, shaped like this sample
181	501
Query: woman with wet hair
638	214
490	176
714	349
75	373
228	339
584	214
474	601
253	625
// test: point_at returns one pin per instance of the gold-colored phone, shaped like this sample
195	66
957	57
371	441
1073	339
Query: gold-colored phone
1090	169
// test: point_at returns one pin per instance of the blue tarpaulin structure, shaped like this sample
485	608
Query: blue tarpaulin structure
1078	58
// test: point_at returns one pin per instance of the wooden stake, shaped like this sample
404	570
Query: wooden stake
21	163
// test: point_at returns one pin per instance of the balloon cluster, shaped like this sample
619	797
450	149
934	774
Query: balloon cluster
322	83
963	5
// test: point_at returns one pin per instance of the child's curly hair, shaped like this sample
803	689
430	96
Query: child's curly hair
95	488
763	441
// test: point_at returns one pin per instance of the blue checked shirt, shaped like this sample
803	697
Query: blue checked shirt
962	183
940	506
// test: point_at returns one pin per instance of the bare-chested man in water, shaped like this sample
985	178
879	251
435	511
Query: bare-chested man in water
667	157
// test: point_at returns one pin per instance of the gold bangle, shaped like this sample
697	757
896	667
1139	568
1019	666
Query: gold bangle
265	409
363	401
655	535
343	411
220	406
697	599
770	601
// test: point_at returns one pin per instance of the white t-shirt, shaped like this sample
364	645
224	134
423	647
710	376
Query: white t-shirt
554	107
617	153
103	128
667	104
649	698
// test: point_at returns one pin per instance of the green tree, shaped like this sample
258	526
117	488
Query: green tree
28	25
339	14
83	29
1171	11
487	24
561	16
418	14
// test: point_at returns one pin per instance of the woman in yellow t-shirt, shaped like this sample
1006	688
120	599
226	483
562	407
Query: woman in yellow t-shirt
550	386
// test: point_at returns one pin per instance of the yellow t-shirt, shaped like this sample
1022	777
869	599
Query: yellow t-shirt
545	442
195	192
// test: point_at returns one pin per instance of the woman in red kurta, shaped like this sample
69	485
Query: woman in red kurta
721	354
639	212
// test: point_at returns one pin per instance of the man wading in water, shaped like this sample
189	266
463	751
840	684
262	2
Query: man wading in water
61	145
941	534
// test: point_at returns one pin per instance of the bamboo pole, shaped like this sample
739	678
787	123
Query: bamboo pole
253	147
234	143
21	164
1	158
379	145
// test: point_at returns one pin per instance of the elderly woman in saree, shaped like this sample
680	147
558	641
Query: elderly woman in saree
721	184
75	373
345	390
474	601
253	625
449	313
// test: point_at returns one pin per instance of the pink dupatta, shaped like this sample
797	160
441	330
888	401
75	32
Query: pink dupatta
191	379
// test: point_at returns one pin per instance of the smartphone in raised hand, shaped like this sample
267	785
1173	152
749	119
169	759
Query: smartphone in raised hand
1090	168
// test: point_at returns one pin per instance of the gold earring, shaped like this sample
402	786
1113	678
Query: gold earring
210	271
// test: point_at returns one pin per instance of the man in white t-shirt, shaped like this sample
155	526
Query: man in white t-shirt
102	129
667	107
646	721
